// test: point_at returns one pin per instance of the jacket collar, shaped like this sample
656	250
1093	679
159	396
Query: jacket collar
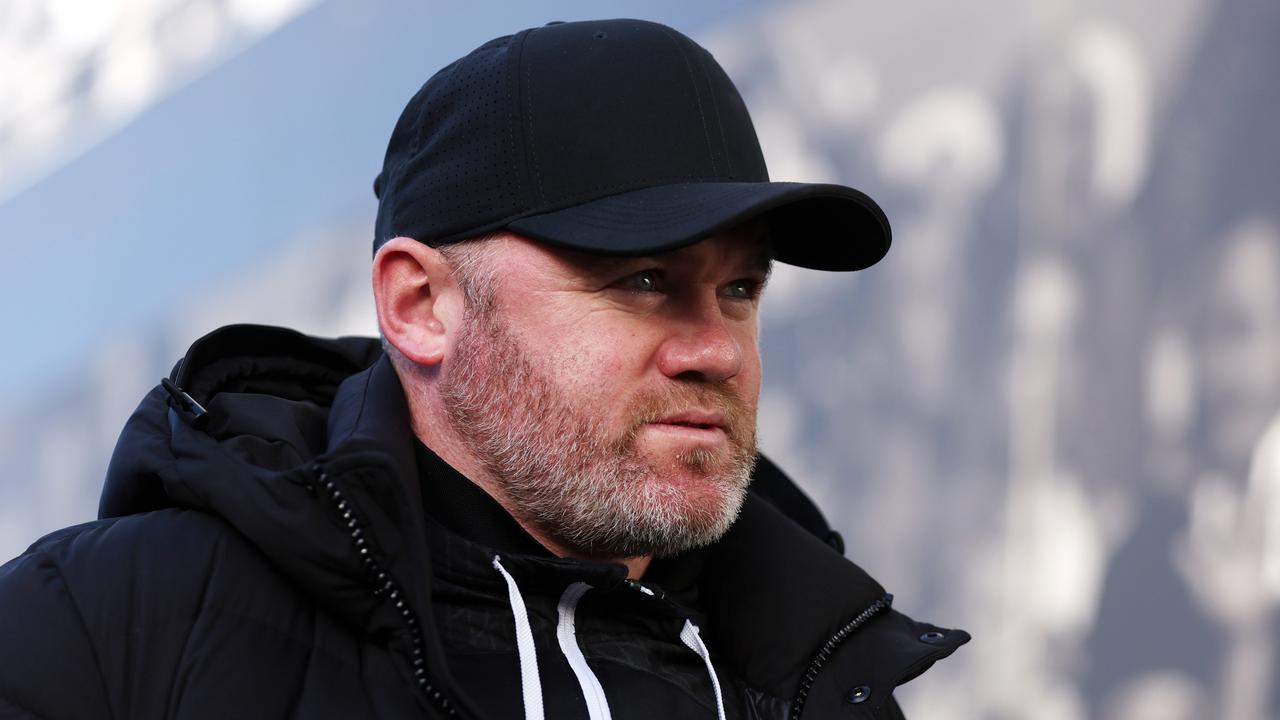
463	508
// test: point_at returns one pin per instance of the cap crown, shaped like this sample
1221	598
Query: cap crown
556	116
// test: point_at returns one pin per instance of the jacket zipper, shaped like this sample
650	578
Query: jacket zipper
385	588
820	659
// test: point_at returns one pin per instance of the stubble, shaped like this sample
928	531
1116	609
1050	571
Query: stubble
564	474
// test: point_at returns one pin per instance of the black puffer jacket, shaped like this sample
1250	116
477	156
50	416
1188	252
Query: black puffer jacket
262	552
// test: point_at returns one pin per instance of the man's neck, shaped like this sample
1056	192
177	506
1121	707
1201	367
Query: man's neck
636	566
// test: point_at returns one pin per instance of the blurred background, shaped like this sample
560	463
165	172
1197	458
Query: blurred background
1051	416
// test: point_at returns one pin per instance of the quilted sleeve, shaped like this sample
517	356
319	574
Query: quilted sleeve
48	665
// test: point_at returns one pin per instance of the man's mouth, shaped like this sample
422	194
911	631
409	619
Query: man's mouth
699	426
698	419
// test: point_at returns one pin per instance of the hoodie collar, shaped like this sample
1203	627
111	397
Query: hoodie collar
465	509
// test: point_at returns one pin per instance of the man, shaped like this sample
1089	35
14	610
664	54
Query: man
535	503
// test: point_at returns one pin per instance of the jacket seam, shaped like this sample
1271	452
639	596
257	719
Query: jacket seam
186	642
311	647
7	700
302	642
364	403
84	627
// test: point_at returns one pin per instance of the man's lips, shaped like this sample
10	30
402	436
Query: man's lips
694	419
696	426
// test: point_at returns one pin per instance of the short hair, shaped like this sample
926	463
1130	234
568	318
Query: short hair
470	263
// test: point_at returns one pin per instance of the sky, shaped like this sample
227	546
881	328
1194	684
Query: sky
161	208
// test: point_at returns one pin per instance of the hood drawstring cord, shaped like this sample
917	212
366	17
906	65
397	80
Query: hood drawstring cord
188	404
566	633
693	638
530	683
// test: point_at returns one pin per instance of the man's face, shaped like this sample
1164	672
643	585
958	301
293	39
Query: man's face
613	400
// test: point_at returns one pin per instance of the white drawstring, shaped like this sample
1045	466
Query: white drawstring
566	633
691	637
530	684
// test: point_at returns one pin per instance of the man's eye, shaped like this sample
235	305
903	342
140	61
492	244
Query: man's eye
645	281
745	289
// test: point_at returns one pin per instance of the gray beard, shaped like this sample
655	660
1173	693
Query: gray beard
564	477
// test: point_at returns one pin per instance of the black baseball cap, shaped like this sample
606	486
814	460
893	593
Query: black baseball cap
620	137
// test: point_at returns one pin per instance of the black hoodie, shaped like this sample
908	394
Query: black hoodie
263	551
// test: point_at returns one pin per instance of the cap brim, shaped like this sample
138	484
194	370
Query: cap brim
826	227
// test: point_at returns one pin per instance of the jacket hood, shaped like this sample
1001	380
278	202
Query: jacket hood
254	417
267	393
268	408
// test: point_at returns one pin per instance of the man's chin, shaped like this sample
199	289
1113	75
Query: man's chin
665	513
672	539
714	514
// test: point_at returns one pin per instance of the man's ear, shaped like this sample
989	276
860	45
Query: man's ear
419	302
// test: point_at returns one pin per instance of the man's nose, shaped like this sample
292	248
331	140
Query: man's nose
701	344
